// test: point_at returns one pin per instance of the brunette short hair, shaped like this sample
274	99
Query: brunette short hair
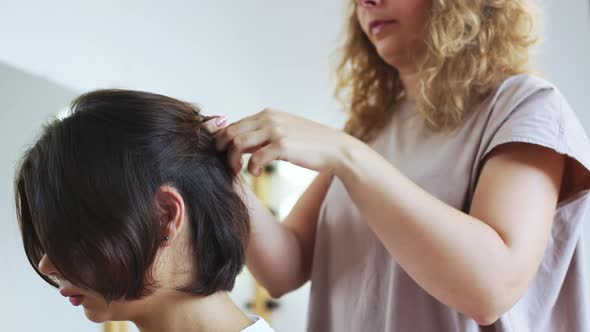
85	194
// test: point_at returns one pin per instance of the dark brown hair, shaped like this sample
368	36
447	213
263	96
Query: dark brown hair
85	194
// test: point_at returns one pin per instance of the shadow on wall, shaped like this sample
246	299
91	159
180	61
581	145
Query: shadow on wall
26	102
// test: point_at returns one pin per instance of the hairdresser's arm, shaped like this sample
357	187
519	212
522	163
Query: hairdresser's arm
479	263
280	254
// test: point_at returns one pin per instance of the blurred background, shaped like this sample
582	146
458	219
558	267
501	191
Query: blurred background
231	57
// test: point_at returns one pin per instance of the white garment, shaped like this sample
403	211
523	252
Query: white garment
260	325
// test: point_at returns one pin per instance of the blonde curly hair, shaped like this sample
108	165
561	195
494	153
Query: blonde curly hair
470	47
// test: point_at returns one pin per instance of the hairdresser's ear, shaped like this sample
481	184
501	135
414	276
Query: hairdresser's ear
171	212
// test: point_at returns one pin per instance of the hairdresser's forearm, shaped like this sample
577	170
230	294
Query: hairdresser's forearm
273	255
455	257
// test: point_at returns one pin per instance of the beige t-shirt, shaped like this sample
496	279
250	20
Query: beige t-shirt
357	285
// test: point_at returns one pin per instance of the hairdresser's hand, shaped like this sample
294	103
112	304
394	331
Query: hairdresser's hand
274	135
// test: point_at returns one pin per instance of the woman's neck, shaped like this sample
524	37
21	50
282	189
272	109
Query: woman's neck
409	78
176	311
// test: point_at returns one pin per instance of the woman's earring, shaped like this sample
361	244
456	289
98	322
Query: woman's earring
166	238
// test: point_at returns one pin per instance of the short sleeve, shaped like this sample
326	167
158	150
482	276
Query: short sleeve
530	110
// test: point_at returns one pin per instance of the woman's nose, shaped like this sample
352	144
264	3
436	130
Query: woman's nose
46	267
369	3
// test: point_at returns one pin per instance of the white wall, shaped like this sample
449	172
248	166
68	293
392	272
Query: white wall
565	59
233	57
565	52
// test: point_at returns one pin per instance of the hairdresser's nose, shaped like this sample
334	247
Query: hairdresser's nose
369	3
46	267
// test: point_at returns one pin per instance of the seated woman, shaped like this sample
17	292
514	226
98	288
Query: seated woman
128	208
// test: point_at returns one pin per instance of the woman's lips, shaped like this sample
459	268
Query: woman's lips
376	27
76	300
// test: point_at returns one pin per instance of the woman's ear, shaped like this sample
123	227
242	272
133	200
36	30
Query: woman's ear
171	211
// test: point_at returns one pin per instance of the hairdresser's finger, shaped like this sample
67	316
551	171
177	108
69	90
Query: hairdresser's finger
215	124
225	136
234	159
245	143
264	156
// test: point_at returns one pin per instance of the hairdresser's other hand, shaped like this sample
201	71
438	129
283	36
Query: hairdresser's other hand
274	135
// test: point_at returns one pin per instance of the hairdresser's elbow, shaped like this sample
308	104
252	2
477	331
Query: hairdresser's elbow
281	282
274	288
277	290
487	318
484	313
277	293
491	306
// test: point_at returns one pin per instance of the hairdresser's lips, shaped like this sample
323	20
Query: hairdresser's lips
376	26
75	299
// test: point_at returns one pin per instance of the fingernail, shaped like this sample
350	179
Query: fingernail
221	121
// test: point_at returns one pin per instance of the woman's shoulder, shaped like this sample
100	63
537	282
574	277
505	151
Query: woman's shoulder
518	88
527	79
527	96
530	109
